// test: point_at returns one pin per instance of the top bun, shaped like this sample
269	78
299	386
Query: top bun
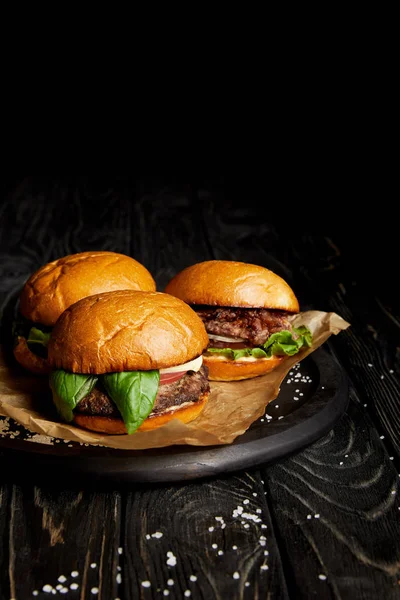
229	283
126	331
57	285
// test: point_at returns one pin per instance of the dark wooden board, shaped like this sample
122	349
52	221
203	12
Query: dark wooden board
354	542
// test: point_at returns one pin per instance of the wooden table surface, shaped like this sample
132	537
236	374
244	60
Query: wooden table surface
323	523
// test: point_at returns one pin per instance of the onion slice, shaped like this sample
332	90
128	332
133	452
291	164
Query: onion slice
221	338
192	365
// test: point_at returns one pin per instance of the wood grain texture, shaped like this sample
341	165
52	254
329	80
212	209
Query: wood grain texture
354	542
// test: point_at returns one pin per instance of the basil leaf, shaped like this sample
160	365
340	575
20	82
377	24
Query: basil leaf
134	393
37	336
69	389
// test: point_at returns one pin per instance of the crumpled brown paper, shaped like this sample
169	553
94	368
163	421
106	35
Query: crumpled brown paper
231	409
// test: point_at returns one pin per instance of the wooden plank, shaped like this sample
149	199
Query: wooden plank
65	541
337	506
214	539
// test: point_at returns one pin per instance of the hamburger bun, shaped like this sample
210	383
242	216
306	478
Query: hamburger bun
58	284
230	283
126	331
224	369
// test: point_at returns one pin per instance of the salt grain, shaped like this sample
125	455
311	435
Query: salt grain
146	584
382	437
120	551
246	501
157	535
35	593
93	565
211	529
220	552
166	592
322	577
236	575
74	573
62	579
187	593
370	364
64	590
234	547
247	584
309	517
215	546
47	588
316	516
118	578
171	562
94	590
74	586
170	582
193	578
264	567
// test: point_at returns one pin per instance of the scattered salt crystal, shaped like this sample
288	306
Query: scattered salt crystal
264	567
316	516
264	526
254	494
382	437
391	457
322	577
276	405
193	578
166	592
187	593
309	517
118	578
382	376
215	546
120	551
170	582
147	536
220	552
246	501
94	590
346	456
219	519
157	534
279	418
74	573
59	586
47	588
391	371
74	586
341	462
62	579
211	529
93	565
370	364
234	547
236	575
266	553
171	562
393	492
247	584
246	526
258	511
64	590
35	593
146	584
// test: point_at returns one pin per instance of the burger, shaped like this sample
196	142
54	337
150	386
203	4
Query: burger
57	285
125	361
247	311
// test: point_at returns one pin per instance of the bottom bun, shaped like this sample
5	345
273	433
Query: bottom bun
233	370
187	413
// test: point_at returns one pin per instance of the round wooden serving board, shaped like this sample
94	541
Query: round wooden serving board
312	398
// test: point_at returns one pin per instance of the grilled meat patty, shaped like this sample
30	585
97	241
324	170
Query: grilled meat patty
254	325
188	388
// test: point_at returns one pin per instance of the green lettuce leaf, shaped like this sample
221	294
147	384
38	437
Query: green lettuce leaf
134	393
278	344
283	342
37	336
69	389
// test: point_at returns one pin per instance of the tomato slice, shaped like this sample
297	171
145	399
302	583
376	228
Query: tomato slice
171	377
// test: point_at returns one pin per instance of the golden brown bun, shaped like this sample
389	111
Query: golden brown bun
126	331
229	283
57	285
116	426
234	370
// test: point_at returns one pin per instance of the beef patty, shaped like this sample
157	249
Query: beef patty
254	325
188	388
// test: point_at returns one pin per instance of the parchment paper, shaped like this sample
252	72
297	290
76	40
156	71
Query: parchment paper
231	409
